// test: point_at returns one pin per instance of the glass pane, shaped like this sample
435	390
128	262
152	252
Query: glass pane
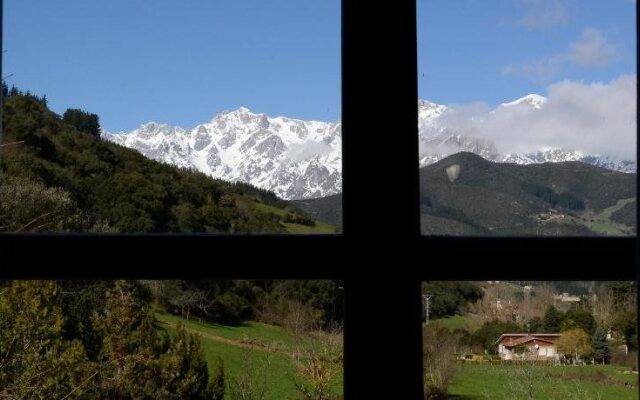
530	339
249	339
527	117
234	106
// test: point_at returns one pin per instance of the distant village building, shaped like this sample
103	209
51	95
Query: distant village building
528	346
566	297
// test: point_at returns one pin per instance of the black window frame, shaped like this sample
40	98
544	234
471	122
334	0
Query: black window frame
381	253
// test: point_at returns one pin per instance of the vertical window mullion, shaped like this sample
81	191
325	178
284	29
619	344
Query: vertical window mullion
383	337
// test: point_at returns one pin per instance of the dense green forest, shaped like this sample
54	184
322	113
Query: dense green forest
59	176
102	339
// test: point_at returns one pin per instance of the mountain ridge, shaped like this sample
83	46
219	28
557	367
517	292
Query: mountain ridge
300	159
483	197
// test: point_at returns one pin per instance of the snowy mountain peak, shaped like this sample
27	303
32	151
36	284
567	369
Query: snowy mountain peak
428	111
534	100
294	158
300	159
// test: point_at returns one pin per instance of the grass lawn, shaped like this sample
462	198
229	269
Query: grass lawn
318	228
468	322
279	367
476	381
268	334
601	223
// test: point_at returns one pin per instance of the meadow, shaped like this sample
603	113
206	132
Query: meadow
261	350
597	382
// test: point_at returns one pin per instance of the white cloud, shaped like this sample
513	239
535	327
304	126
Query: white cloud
592	50
596	118
540	14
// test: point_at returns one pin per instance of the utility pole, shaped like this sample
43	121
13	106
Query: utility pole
427	299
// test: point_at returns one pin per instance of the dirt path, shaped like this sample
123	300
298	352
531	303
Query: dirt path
224	340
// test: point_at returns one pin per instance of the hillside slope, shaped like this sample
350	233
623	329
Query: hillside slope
56	178
568	198
488	198
326	209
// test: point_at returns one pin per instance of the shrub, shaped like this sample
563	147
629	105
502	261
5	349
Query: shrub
439	347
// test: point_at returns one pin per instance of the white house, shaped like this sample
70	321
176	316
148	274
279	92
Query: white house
528	346
566	297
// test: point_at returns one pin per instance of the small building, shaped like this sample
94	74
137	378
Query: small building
528	346
566	298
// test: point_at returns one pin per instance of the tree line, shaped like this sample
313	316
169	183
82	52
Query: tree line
234	301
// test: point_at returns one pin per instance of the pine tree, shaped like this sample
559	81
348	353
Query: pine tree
601	350
552	320
217	382
35	362
82	121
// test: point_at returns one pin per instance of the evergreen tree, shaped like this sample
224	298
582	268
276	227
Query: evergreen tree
552	320
35	361
579	318
82	121
450	296
14	91
489	333
625	323
536	325
217	384
601	350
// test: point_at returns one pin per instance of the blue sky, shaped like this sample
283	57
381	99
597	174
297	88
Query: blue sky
499	50
179	62
176	61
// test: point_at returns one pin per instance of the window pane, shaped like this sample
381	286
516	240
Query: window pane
530	339
234	106
527	117
210	339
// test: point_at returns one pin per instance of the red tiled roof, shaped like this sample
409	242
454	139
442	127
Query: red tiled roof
520	338
526	339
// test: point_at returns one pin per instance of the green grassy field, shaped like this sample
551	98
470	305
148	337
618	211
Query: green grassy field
318	228
598	382
227	342
269	334
602	223
468	322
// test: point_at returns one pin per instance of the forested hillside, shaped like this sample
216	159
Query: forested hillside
465	194
59	176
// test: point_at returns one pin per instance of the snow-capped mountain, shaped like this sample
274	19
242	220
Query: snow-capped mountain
439	140
299	159
532	100
296	159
